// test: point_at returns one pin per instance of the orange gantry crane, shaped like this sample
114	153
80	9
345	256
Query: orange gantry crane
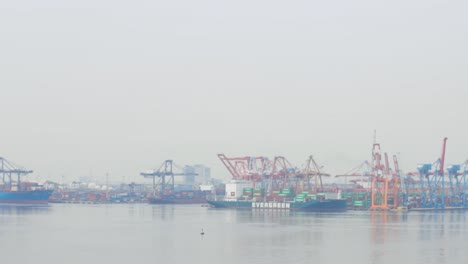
385	182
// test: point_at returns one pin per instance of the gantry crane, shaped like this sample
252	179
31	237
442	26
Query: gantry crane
311	170
362	172
379	188
274	174
166	175
261	171
432	182
7	170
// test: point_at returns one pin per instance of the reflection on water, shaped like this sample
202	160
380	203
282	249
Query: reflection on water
425	237
24	209
171	234
19	213
163	211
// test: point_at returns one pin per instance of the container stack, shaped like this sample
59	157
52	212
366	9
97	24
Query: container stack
301	197
274	196
288	192
357	200
259	192
321	196
247	193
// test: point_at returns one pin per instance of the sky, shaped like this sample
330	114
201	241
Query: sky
91	87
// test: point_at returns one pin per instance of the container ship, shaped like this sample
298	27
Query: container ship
18	192
25	196
317	205
240	195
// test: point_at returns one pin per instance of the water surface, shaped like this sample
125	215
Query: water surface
144	233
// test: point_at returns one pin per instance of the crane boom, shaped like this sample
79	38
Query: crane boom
442	158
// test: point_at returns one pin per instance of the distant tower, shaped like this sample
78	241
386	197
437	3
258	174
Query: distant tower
107	185
190	175
204	173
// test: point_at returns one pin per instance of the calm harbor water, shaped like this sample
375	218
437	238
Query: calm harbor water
143	233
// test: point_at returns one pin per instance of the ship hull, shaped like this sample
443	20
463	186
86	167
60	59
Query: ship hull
177	201
313	206
25	197
183	197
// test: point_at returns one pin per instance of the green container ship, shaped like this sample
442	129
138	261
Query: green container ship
241	195
318	205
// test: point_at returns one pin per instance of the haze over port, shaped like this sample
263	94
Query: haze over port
97	94
90	87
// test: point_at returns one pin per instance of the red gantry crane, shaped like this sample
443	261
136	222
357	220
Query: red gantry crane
274	174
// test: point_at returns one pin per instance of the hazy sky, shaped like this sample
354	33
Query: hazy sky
91	86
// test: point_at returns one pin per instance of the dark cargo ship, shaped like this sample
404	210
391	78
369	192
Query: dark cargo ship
183	197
